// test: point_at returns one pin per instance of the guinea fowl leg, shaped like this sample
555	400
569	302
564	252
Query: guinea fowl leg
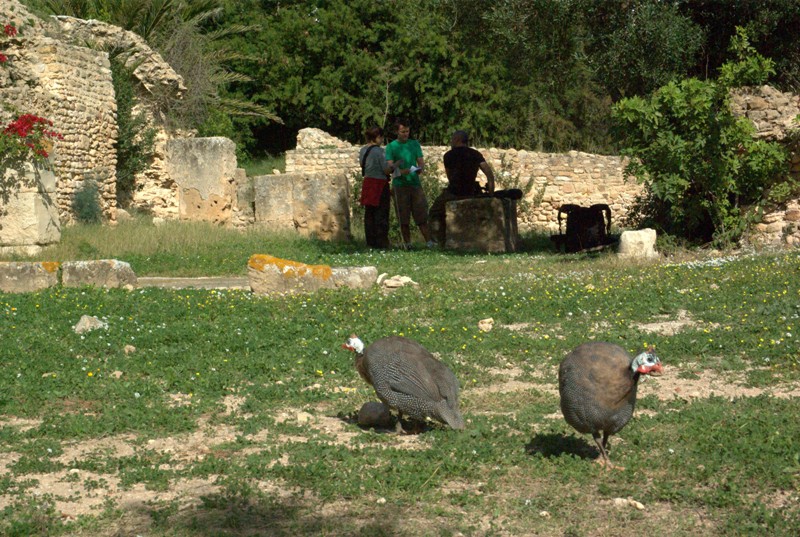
414	426
603	446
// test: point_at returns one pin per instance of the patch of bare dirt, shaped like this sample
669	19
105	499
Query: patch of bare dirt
20	424
670	327
78	492
709	383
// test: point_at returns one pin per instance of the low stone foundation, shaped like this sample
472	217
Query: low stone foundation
29	277
108	273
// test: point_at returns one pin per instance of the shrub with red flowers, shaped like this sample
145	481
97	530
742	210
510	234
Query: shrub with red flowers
28	138
9	30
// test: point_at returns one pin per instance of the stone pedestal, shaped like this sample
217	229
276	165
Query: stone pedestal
204	170
482	224
638	244
29	218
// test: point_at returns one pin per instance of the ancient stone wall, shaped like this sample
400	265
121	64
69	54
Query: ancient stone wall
775	117
83	110
548	179
71	86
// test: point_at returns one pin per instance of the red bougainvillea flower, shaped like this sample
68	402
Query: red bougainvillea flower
10	30
3	58
24	124
32	132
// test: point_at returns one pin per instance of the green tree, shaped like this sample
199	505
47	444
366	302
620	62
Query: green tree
554	101
344	65
700	165
771	27
637	47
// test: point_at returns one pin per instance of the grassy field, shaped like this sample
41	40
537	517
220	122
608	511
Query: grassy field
217	413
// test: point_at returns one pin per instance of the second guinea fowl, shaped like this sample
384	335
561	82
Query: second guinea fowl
597	383
409	379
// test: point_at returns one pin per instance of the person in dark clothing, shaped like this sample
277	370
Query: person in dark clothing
375	193
461	164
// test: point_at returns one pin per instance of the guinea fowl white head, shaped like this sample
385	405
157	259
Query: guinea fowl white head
354	344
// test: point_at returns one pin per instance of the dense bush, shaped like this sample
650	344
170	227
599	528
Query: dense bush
701	167
86	203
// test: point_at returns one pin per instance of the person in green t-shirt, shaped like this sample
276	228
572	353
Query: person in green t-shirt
405	155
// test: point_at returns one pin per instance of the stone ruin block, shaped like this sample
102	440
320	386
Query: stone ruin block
482	224
268	275
29	219
272	196
321	206
27	277
205	171
108	273
638	244
314	205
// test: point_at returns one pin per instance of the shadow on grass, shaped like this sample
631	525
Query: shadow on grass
554	445
396	425
269	514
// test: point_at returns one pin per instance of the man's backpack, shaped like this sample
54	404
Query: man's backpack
587	227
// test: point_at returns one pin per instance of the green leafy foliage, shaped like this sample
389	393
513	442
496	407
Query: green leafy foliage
701	165
530	74
135	139
86	203
638	50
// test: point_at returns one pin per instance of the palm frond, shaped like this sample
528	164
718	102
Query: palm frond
237	107
233	29
228	77
226	55
82	9
155	15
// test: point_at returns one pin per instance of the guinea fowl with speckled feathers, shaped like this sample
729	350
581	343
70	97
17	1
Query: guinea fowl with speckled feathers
597	383
409	379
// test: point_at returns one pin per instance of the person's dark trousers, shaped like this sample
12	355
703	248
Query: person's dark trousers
376	221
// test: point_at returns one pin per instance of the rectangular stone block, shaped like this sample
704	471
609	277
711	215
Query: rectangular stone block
482	224
273	201
30	217
273	275
204	170
321	207
27	277
313	205
108	273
